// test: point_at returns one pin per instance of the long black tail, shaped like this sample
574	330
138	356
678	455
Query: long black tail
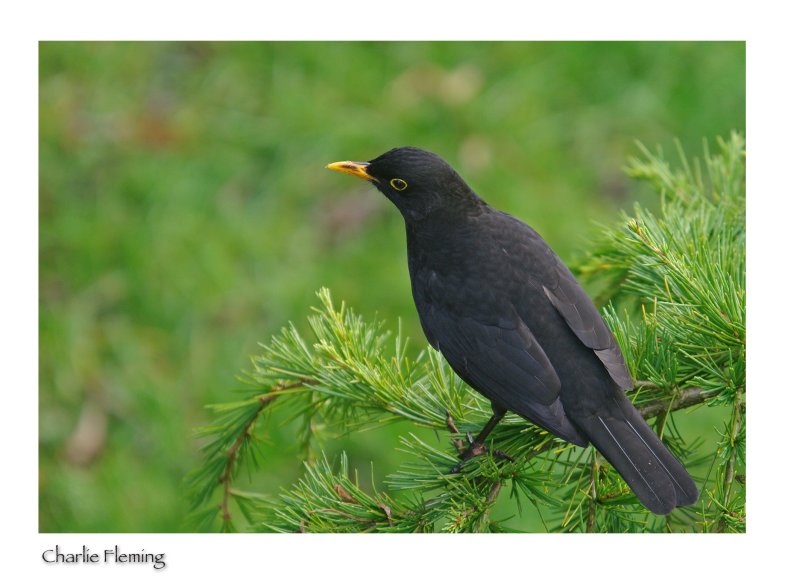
624	438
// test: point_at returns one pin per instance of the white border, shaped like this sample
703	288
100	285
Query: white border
772	285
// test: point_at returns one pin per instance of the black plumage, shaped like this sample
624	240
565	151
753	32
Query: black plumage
514	323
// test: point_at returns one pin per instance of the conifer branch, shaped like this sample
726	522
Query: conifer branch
684	343
682	399
730	466
233	451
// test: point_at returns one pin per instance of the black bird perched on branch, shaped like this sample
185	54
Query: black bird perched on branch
514	323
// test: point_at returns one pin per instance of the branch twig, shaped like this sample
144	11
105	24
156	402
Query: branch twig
730	467
688	397
227	474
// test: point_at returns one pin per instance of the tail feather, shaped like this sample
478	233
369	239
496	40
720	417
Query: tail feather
623	437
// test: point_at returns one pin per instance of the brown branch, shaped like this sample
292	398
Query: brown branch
683	398
226	479
494	492
730	467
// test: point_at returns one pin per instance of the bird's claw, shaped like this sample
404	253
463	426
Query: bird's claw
474	451
501	455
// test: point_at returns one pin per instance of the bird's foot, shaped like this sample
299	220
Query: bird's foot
475	449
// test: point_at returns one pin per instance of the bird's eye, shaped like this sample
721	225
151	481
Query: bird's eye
398	184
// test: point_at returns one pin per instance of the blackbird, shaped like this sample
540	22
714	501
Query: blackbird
515	325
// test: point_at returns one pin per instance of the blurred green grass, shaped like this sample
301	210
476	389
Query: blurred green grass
185	215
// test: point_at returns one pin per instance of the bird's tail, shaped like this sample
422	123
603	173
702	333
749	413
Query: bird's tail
624	438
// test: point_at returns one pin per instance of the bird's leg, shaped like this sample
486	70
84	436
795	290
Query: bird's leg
476	446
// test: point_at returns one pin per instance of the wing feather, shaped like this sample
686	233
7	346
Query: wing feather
585	321
507	365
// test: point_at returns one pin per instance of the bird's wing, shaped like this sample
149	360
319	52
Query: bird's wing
504	352
501	359
583	318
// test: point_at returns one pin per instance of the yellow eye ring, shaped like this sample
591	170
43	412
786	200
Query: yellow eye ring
398	184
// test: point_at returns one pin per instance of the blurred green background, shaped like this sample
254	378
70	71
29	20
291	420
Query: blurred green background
185	216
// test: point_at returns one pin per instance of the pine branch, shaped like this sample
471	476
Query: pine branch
684	344
234	450
730	464
683	399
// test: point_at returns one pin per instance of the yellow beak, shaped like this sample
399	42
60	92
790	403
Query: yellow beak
357	168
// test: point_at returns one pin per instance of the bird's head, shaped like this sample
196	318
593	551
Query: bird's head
418	182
